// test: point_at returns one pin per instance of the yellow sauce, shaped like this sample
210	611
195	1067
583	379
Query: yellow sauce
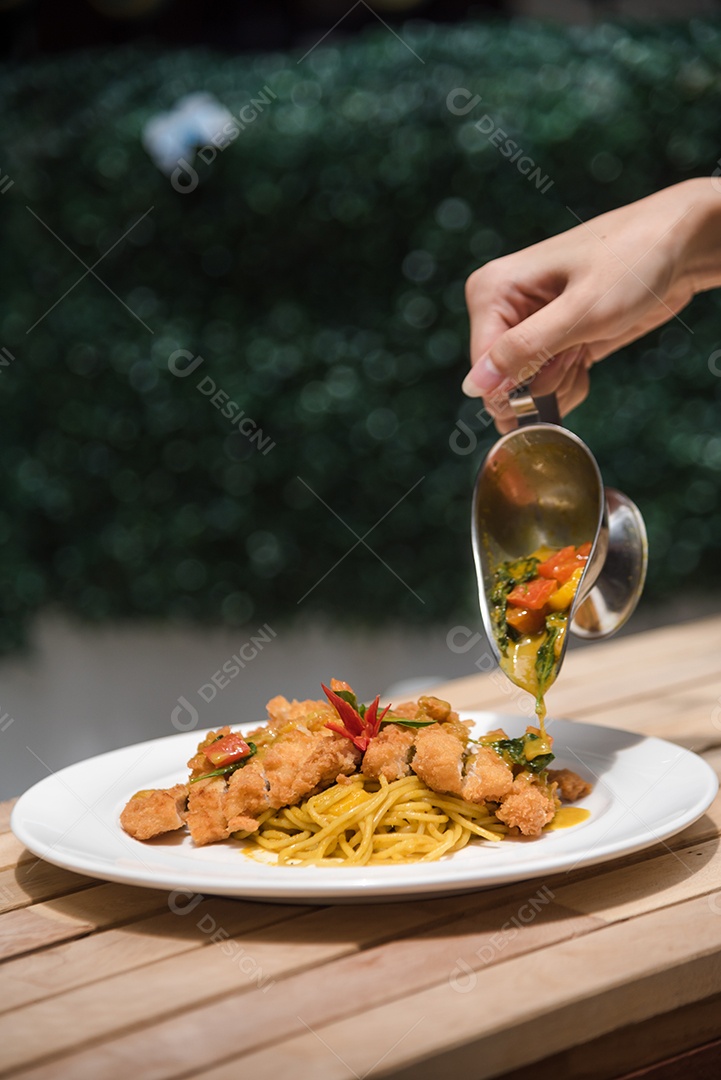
568	816
519	662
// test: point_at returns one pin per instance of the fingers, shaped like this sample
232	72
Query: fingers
572	389
520	353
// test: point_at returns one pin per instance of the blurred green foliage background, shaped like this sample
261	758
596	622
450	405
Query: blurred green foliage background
318	268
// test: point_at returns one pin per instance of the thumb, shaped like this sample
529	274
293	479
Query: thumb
519	354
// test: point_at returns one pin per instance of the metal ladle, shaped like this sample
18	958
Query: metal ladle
540	485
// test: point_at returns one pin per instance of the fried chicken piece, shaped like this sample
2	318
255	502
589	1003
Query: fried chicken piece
339	684
434	707
207	820
389	753
438	759
407	709
246	797
487	777
302	762
570	785
528	807
297	764
150	813
309	714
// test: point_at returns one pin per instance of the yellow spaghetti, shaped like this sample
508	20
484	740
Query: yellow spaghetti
365	822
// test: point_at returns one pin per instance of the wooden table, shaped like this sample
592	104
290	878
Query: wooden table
622	969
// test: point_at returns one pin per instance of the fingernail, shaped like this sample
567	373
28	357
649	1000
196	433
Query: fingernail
483	376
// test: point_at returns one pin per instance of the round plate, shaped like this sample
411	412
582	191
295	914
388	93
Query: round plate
644	790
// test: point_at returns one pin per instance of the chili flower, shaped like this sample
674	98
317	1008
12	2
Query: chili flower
359	725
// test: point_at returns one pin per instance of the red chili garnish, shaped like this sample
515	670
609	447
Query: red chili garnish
359	729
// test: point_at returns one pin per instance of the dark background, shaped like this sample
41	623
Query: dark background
319	269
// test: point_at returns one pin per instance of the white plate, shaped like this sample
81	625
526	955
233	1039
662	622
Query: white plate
645	790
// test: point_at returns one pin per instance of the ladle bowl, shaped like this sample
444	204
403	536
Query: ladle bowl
540	485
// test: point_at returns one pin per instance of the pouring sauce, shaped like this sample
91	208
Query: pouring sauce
530	604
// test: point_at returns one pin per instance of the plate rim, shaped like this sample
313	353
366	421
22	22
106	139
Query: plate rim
365	882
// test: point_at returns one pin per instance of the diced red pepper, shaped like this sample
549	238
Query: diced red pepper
532	595
525	621
227	751
561	566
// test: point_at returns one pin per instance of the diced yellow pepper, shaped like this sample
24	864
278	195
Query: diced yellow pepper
561	599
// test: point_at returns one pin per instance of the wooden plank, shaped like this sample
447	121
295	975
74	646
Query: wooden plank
36	880
634	1047
400	967
514	1012
12	851
235	1024
72	916
136	945
714	759
683	717
310	940
6	809
649	885
703	1063
648	664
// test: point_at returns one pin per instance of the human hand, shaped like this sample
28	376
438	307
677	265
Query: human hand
547	313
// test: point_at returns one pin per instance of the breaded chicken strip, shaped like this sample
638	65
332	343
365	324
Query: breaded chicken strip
297	764
150	813
302	762
528	807
487	777
282	712
389	754
570	784
438	759
246	797
207	820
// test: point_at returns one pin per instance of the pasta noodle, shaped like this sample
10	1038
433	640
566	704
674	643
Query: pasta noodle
364	822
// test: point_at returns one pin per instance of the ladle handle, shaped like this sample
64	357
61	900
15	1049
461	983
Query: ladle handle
530	410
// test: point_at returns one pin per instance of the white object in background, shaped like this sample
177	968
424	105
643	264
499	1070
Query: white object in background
194	121
408	689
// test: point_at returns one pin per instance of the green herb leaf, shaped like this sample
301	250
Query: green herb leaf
228	768
506	577
402	722
513	751
546	658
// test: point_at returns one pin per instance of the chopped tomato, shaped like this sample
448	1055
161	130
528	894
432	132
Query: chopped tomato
532	595
226	751
561	566
525	621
